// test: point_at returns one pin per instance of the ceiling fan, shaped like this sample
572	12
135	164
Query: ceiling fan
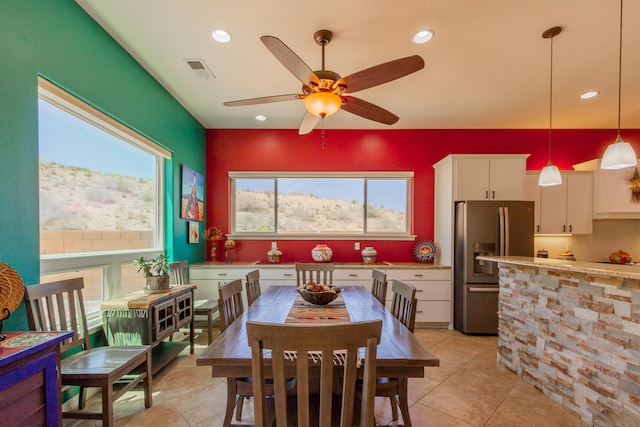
325	92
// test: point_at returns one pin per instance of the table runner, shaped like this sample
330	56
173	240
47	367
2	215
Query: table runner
303	312
136	304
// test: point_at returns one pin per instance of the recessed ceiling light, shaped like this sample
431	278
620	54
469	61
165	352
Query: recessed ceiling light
260	118
221	36
588	95
423	36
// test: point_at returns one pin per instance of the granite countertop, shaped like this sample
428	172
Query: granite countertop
337	265
595	268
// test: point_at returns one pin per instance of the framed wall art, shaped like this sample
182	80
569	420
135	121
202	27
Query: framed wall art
192	195
194	232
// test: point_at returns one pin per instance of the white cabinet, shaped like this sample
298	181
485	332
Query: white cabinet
208	278
563	209
612	192
433	291
472	177
488	178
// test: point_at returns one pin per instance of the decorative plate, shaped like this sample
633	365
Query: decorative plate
424	251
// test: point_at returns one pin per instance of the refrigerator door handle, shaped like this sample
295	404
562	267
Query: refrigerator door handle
507	229
501	237
484	289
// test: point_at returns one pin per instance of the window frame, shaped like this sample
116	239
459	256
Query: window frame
109	261
404	175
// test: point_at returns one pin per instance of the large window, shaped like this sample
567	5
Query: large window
267	204
100	191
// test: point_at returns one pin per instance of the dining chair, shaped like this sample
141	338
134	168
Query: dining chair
403	307
320	273
230	307
379	285
59	306
317	343
253	286
179	275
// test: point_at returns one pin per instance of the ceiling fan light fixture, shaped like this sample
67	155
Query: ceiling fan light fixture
423	36
620	154
322	104
221	36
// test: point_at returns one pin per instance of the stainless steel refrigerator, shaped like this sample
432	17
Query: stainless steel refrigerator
485	228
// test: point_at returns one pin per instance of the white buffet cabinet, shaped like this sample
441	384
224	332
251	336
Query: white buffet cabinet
433	283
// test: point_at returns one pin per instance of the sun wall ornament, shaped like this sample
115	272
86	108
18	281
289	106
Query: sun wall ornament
635	186
424	251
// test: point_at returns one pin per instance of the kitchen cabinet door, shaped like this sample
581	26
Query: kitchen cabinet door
489	178
562	209
579	203
472	179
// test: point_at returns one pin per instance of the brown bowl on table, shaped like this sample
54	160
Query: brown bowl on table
318	298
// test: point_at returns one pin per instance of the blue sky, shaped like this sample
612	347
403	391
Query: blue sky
70	141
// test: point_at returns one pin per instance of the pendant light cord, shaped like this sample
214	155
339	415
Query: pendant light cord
550	99
620	72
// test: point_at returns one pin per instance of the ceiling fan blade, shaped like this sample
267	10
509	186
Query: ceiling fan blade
368	110
290	60
263	100
309	121
382	73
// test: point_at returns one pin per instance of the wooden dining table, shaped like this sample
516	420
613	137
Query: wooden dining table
400	354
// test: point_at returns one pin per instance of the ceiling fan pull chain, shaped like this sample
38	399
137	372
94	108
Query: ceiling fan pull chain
322	134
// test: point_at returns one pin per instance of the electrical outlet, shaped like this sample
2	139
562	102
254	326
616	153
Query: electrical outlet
356	246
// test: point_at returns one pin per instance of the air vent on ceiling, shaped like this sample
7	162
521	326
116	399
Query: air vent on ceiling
200	68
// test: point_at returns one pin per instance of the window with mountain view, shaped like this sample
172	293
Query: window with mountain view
100	194
307	204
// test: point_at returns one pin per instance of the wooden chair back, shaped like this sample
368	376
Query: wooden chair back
404	303
320	273
253	286
230	304
58	306
179	273
379	285
284	340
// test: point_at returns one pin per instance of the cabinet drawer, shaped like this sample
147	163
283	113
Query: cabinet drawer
438	290
277	274
355	274
433	311
420	274
217	274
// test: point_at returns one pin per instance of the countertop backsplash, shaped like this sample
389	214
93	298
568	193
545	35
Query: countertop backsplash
609	235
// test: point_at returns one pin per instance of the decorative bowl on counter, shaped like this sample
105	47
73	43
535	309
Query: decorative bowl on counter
620	257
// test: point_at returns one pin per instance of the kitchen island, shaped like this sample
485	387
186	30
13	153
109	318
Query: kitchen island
572	329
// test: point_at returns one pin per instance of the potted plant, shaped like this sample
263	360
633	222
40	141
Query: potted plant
156	272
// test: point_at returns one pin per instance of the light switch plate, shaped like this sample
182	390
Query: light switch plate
356	246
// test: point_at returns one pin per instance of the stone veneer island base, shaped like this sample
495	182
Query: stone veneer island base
572	329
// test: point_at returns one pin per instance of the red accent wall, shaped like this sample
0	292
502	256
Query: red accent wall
375	150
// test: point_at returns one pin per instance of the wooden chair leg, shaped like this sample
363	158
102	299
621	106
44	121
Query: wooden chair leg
403	391
231	401
209	328
148	383
394	408
107	405
82	397
239	403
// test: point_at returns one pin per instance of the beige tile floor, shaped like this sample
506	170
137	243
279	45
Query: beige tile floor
468	389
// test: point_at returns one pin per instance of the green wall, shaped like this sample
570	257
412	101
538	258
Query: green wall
58	40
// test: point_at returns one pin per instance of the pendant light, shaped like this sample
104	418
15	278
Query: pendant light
620	154
550	175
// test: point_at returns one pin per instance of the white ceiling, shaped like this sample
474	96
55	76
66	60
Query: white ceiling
487	66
